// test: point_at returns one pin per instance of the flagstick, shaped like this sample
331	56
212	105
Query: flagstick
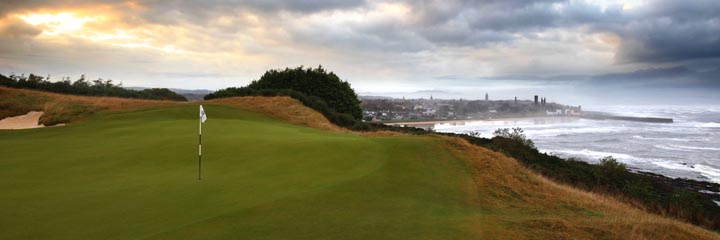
200	149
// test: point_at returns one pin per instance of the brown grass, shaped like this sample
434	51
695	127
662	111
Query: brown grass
382	133
524	205
61	108
284	108
293	111
112	103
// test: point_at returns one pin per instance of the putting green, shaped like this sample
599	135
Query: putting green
133	174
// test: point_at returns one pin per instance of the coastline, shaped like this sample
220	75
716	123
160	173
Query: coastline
704	187
426	122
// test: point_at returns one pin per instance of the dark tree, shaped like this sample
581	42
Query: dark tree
312	82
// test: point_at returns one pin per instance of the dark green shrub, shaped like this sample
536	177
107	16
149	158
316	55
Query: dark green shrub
611	165
517	134
312	82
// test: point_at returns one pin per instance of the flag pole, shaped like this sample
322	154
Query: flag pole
200	147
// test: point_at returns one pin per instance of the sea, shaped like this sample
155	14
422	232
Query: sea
687	148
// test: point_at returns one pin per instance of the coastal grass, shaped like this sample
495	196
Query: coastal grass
132	174
61	108
520	204
15	103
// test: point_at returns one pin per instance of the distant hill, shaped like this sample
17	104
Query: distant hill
368	97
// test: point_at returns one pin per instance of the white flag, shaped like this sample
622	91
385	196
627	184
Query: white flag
203	117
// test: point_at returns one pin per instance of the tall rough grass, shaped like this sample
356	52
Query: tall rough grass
285	108
529	206
60	108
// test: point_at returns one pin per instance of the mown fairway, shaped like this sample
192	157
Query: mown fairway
130	175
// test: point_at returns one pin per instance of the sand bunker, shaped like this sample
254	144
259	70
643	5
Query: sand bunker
29	120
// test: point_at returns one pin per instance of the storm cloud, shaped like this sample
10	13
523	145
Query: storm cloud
375	44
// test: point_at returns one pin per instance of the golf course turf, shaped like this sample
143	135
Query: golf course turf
132	174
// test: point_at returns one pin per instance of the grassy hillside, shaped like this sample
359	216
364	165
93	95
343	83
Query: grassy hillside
60	108
133	174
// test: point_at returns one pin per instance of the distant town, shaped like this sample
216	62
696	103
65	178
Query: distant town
385	109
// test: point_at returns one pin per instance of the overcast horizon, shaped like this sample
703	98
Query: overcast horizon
574	52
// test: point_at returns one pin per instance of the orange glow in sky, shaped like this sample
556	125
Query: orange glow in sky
58	23
62	25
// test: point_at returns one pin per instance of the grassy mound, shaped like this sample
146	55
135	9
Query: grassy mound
60	108
132	174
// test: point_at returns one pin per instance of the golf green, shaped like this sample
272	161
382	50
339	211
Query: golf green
133	174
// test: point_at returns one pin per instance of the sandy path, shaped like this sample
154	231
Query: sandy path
29	120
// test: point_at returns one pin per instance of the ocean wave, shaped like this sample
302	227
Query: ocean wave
709	192
685	148
674	165
672	148
700	124
555	132
661	139
594	155
712	173
697	148
709	125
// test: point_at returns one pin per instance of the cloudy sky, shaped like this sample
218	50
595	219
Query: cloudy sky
584	51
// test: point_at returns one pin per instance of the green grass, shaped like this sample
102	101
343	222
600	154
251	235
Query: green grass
133	174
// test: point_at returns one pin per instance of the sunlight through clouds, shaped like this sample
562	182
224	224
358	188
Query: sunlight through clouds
58	23
95	28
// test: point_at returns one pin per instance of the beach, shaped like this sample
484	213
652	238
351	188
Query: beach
461	122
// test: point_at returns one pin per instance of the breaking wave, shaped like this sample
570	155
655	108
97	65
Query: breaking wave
712	173
661	138
593	155
683	149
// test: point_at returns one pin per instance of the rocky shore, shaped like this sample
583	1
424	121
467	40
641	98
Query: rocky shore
709	189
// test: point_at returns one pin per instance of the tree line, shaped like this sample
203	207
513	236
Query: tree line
82	86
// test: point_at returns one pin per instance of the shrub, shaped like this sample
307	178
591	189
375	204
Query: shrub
610	165
336	93
517	134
